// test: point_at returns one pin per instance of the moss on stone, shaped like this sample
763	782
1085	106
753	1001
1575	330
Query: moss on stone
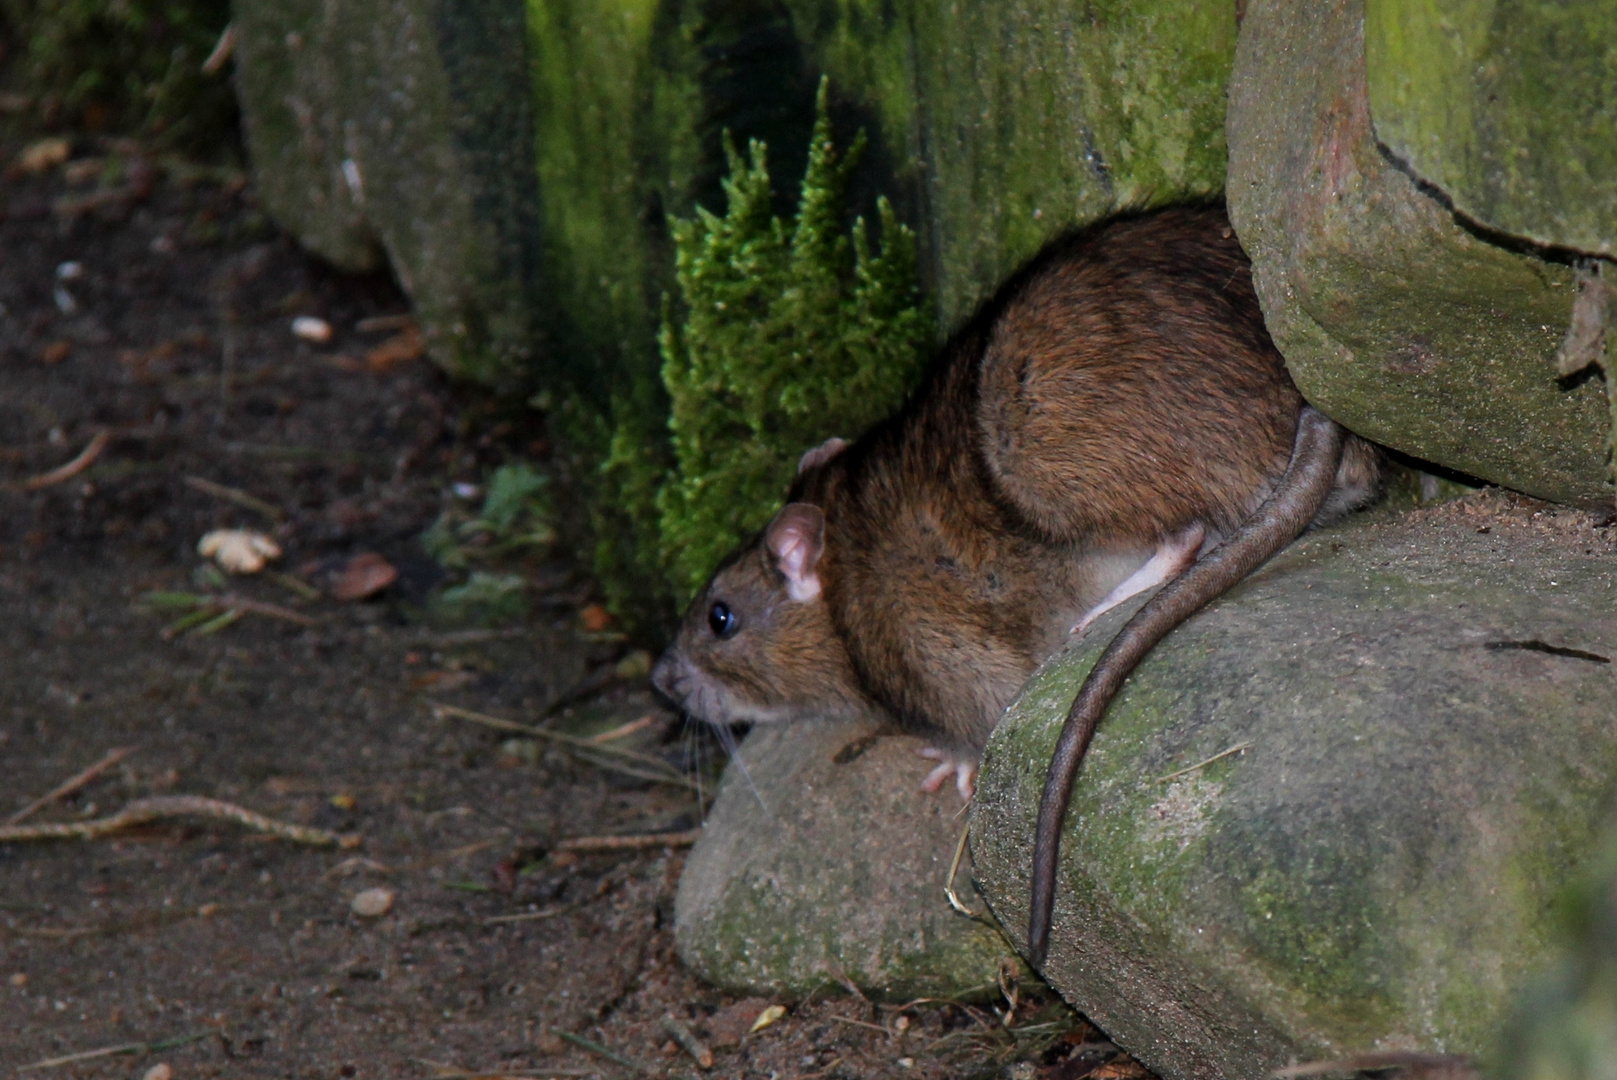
1375	868
1008	123
1394	317
1509	107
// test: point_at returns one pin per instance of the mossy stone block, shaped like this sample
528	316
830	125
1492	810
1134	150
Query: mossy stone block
398	130
1507	106
1425	716
1010	122
1394	317
821	864
992	128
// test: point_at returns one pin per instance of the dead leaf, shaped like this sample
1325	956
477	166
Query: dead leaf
595	618
442	680
771	1015
384	324
365	575
45	154
398	349
240	551
56	352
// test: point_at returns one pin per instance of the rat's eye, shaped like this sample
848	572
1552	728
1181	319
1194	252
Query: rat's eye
722	620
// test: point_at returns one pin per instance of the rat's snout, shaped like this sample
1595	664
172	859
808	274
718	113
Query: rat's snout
665	676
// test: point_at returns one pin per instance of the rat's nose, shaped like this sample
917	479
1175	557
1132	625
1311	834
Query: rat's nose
662	675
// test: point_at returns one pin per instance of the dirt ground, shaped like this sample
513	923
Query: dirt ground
146	323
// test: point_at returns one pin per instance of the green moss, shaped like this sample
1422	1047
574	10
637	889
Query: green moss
1508	106
782	336
1011	122
1397	318
125	65
1381	859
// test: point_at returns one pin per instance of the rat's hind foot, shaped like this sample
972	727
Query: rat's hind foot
1172	558
964	770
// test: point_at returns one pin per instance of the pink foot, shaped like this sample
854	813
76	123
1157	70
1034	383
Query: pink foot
963	770
1172	558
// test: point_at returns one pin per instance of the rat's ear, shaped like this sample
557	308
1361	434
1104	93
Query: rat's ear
795	540
827	450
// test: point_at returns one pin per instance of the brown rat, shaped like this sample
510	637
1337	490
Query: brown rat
1116	410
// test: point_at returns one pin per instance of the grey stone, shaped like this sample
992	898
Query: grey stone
841	879
1394	317
1426	705
1510	110
401	131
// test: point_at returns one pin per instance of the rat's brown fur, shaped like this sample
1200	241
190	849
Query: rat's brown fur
1120	390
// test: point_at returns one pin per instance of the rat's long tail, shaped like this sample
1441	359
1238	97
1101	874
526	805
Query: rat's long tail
1282	517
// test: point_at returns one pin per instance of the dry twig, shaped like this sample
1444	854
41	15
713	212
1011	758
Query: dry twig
633	842
1430	1065
237	496
86	458
625	729
215	612
859	1023
642	766
69	786
1236	749
596	1048
111	1051
689	1042
161	807
528	916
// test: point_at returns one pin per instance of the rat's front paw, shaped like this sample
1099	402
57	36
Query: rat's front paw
964	770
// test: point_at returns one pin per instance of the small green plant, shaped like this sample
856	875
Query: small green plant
515	518
484	599
782	335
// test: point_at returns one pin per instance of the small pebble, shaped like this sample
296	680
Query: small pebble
906	1063
372	903
19	979
312	329
161	1071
